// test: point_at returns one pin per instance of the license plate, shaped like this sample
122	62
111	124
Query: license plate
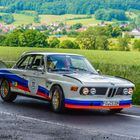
110	103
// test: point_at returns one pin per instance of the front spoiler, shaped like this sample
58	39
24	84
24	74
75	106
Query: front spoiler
76	104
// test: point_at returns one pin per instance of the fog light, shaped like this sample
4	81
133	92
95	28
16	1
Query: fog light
85	91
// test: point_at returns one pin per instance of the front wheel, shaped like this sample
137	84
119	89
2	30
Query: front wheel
5	92
57	99
113	111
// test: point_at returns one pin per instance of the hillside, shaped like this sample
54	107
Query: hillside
59	7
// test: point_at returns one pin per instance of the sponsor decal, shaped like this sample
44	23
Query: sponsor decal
33	86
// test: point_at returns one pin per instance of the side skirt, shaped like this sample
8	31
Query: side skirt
34	97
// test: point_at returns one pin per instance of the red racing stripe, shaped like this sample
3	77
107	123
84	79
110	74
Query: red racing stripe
96	107
43	95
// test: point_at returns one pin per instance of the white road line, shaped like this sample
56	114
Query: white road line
129	115
68	126
35	119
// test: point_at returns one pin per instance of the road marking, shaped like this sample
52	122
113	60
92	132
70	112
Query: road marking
68	126
33	119
129	115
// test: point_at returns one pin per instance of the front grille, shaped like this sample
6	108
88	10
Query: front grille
112	92
101	91
120	91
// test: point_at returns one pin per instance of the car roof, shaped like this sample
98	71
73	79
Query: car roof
48	53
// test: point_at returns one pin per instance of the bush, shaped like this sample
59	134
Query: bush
136	44
54	42
68	44
29	38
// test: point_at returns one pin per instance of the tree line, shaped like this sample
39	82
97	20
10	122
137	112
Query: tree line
59	7
92	38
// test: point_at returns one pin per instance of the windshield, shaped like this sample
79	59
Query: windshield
69	63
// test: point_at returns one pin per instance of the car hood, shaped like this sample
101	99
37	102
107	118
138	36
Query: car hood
96	79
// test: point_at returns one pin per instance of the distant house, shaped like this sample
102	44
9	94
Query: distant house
135	33
82	29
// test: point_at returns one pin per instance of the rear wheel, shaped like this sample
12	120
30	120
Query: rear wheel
57	99
113	111
5	91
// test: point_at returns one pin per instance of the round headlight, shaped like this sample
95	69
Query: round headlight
93	91
125	91
85	91
130	91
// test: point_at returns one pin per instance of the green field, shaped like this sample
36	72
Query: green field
109	57
21	19
48	19
117	63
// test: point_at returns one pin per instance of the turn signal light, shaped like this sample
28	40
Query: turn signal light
74	88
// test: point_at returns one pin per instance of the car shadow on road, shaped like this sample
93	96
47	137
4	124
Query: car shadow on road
27	104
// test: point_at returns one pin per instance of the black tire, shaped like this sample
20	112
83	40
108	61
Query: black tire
5	92
113	111
57	101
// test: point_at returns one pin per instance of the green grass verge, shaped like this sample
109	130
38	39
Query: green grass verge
124	64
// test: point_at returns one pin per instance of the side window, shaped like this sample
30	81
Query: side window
37	62
23	63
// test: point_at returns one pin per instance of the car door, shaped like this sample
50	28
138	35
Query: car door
20	79
36	76
31	75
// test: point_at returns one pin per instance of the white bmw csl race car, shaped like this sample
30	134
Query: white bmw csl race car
65	80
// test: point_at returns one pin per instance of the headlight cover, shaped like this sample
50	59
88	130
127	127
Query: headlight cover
85	91
92	91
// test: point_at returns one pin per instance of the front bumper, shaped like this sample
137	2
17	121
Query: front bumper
79	104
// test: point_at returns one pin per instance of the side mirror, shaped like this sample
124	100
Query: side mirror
98	71
41	69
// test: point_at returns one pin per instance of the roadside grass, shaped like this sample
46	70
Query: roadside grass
117	63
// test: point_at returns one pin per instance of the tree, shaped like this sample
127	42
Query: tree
76	26
110	14
116	32
94	38
136	44
2	40
87	39
35	38
12	39
124	43
29	38
36	18
54	42
102	43
68	44
8	18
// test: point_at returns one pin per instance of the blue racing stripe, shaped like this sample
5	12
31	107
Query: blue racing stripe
94	103
86	103
21	81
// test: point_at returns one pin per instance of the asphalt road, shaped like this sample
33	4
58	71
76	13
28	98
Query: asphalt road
33	119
